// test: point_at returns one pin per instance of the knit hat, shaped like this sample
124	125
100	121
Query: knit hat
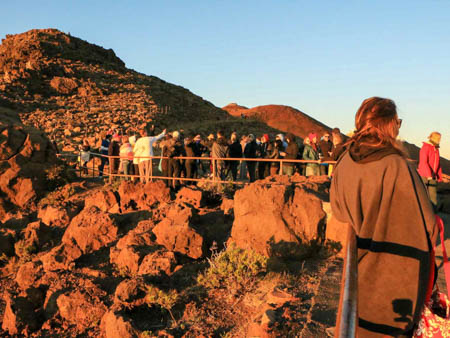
266	137
197	138
311	136
176	134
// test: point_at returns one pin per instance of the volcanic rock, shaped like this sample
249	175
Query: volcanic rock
28	273
105	200
61	257
192	196
270	219
138	196
80	309
176	232
26	155
115	325
91	230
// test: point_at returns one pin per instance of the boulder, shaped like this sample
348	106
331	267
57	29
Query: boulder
157	262
115	325
91	230
137	196
277	219
27	155
35	236
105	200
191	196
128	292
28	273
227	206
57	215
61	257
80	309
176	232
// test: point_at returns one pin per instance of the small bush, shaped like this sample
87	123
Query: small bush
166	300
234	269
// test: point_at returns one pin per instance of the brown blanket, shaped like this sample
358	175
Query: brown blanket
386	203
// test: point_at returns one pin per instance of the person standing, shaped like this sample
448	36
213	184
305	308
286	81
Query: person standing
220	150
263	166
290	154
234	151
85	155
190	164
274	153
114	152
126	156
250	152
382	198
325	150
104	147
175	149
310	153
430	167
143	151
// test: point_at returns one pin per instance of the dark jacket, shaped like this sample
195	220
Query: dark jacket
235	150
273	152
189	150
338	149
175	148
291	153
384	200
250	149
325	147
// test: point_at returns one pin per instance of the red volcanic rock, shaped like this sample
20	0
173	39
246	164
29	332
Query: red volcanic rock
105	200
191	196
26	155
61	257
268	218
176	233
80	309
227	206
91	230
63	85
56	215
29	273
128	292
35	236
143	197
114	325
157	262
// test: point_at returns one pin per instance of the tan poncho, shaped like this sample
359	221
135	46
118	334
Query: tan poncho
387	205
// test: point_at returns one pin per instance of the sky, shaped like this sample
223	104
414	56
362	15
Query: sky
321	57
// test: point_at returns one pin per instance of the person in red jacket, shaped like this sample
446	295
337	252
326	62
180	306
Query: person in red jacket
429	166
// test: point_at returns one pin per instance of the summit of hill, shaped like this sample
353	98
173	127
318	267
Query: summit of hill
72	89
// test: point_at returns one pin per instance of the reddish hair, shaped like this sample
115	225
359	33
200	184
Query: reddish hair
376	124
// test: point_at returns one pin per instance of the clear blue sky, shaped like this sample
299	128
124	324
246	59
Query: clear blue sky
322	57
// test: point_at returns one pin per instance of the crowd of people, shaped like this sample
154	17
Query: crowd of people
130	154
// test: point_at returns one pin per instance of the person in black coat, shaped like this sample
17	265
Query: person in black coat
325	150
250	152
263	166
234	151
191	165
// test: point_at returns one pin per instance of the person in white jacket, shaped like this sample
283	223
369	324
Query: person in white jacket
144	148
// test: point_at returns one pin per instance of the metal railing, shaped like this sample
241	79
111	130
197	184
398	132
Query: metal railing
150	175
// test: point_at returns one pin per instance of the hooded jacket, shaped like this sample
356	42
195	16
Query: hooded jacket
429	164
384	200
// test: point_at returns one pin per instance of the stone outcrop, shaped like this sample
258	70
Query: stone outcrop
271	219
176	232
26	156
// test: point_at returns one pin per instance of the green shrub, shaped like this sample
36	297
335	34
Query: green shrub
166	300
234	269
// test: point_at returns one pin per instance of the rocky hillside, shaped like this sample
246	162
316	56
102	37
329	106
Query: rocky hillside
70	88
285	118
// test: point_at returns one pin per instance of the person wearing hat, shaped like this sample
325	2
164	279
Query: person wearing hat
190	164
310	153
104	148
220	150
263	166
429	166
250	152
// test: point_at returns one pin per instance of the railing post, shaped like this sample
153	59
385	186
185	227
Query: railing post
93	166
281	167
151	169
80	163
214	168
346	322
110	169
